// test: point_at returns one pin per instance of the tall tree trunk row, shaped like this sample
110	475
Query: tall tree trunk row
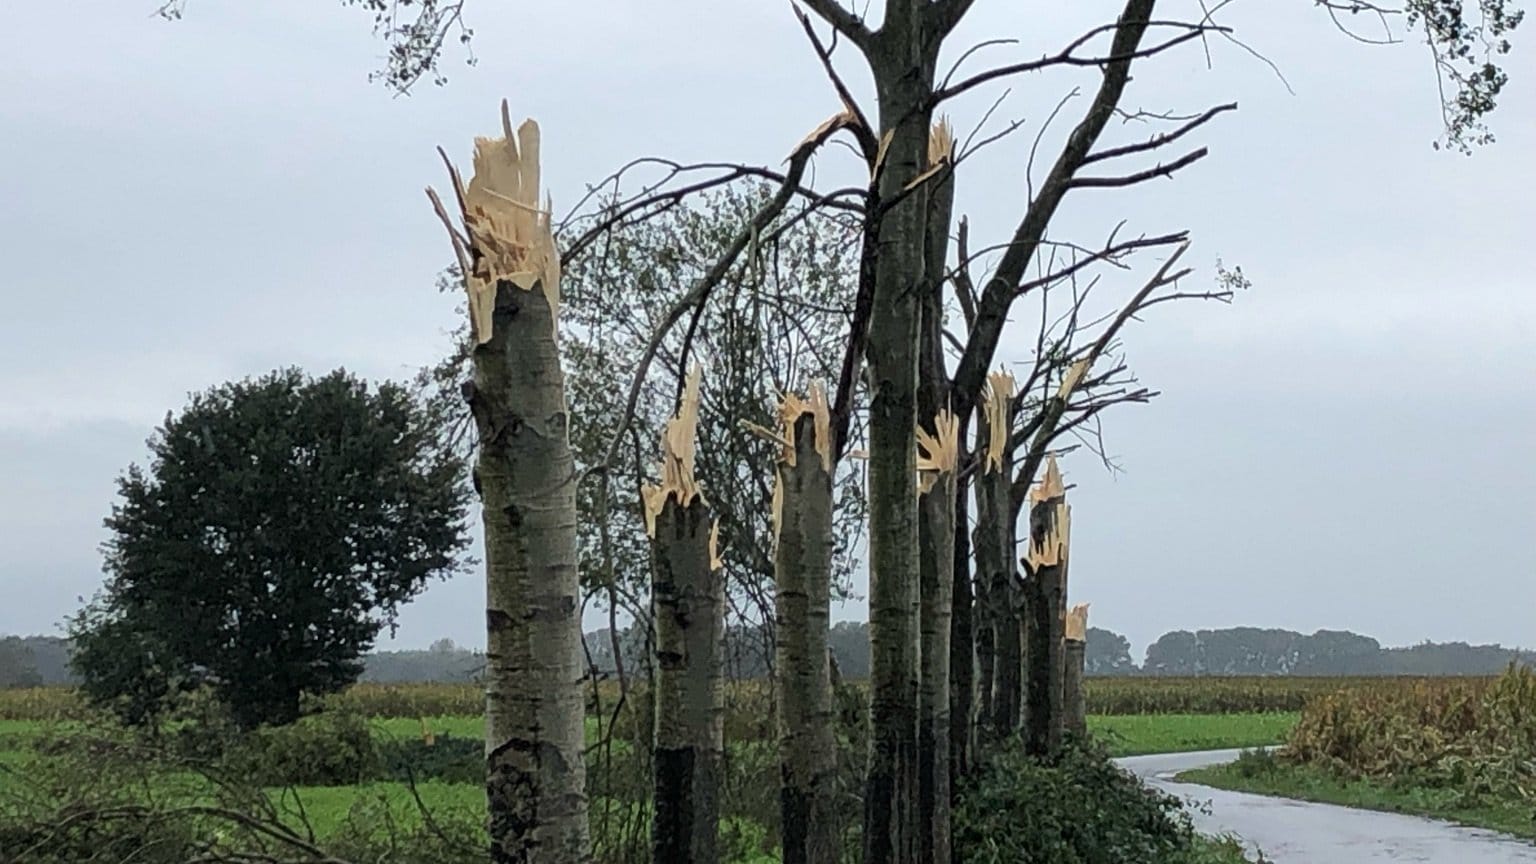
688	607
535	772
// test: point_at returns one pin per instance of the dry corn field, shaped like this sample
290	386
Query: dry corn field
1106	696
1475	735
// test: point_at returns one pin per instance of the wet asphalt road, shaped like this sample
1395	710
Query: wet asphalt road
1294	832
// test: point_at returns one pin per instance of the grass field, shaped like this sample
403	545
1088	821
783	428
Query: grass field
1311	783
1139	734
1124	735
1137	717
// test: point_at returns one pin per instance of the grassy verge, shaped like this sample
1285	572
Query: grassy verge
1217	850
1269	776
1135	735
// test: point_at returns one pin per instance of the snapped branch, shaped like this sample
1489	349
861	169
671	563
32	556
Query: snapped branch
699	294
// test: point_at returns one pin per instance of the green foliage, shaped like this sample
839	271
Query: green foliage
280	525
1080	810
1466	49
448	758
328	749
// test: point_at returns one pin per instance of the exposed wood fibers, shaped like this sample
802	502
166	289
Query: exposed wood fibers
1051	549
507	236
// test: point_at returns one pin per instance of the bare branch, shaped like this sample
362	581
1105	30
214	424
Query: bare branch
1157	141
842	20
1001	288
965	289
698	295
1054	408
1158	170
862	131
651	202
1068	57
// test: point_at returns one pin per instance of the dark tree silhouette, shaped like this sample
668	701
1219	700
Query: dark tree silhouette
278	528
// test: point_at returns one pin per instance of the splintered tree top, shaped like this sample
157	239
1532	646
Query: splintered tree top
507	236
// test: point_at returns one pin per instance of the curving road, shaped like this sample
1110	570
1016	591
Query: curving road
1296	832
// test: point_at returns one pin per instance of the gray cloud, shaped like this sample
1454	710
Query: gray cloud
1348	445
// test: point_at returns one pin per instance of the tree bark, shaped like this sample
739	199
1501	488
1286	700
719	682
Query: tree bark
982	621
996	534
995	550
803	573
936	523
903	72
535	771
1074	700
962	644
936	540
1044	588
936	551
688	607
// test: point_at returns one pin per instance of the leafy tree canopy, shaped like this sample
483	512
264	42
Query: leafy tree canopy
278	528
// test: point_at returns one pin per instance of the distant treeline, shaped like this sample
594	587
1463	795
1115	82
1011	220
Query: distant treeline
44	660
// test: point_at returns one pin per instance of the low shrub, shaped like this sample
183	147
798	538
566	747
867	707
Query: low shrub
448	758
1079	809
1260	762
330	749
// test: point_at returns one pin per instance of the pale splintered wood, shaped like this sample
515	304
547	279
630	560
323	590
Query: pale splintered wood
791	408
941	148
1073	378
996	404
677	453
941	141
715	561
507	235
1077	623
1051	549
937	453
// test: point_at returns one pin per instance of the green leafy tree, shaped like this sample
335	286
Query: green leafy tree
279	527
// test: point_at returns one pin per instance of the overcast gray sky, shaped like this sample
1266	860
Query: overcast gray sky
1350	445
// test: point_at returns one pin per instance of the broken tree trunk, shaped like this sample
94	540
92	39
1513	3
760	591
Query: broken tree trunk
1049	535
688	607
936	552
802	518
1075	654
995	543
536	775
